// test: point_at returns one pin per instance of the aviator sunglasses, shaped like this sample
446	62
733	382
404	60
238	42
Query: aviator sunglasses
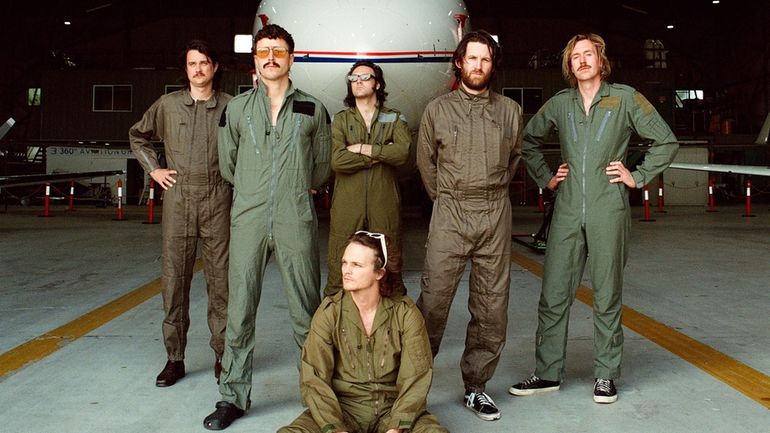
380	237
278	52
362	77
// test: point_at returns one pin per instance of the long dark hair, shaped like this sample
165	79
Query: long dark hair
483	37
203	48
388	281
350	100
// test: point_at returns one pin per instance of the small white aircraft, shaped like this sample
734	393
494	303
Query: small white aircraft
412	41
754	170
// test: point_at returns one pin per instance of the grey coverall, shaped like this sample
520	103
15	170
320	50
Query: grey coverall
467	152
591	214
366	194
366	384
196	207
272	169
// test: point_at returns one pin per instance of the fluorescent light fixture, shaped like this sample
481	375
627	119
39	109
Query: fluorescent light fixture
716	2
242	43
670	26
67	23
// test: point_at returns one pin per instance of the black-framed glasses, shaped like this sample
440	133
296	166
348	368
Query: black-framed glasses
381	238
363	77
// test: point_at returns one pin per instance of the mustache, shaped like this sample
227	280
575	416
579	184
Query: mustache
269	64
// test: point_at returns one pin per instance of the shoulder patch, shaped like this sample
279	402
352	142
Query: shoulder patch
643	103
304	107
563	91
610	102
223	118
623	87
387	117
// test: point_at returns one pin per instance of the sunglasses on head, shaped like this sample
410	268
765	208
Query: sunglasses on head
278	52
362	77
381	238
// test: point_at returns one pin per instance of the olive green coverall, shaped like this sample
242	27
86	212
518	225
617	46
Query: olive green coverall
272	169
366	194
196	207
468	149
359	384
591	214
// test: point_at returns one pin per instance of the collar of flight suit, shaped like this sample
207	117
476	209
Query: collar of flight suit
262	90
210	103
604	91
482	97
381	317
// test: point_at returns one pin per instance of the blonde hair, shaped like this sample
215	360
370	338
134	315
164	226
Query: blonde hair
601	49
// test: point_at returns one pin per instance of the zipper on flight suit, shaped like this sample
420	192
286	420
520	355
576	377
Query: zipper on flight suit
274	144
603	125
253	136
571	117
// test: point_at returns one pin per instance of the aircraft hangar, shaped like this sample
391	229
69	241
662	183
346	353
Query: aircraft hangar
80	333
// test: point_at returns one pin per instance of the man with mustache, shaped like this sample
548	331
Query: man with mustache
468	148
196	201
274	149
595	121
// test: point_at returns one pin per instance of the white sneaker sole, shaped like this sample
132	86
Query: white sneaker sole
601	399
484	416
525	392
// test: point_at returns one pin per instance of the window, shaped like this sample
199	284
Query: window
684	95
33	96
530	98
173	88
112	97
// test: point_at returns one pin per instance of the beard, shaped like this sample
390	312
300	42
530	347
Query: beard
475	82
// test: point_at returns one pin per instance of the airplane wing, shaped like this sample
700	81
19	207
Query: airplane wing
34	179
754	170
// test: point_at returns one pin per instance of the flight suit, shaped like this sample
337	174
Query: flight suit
467	152
196	207
272	169
366	194
358	384
591	214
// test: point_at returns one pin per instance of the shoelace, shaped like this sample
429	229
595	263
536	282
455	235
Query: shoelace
483	399
530	381
603	385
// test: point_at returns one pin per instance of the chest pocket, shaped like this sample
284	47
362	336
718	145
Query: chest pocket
302	127
499	137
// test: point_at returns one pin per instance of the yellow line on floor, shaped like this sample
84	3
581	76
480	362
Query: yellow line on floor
48	343
752	383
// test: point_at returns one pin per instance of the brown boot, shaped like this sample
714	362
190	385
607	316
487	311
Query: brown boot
173	371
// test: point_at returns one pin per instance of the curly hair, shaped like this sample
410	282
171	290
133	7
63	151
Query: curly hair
273	31
350	100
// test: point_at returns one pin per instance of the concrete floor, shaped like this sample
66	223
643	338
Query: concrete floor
702	274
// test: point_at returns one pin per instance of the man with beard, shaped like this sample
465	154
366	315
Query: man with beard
468	148
595	120
196	202
274	149
369	142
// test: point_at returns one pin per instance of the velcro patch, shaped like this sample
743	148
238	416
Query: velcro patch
303	107
610	102
643	103
223	118
387	117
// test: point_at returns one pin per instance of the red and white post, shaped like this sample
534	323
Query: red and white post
72	195
151	204
47	202
646	205
660	196
711	195
748	213
540	201
120	201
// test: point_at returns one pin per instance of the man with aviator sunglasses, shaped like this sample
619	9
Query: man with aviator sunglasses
274	149
369	142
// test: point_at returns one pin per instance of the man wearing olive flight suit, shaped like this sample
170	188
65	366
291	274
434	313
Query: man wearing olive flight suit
366	364
196	201
467	152
274	148
369	142
595	120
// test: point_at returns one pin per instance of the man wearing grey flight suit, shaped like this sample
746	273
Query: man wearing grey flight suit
274	148
196	201
468	148
595	121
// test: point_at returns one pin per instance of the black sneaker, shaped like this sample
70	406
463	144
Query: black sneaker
534	385
604	391
482	405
